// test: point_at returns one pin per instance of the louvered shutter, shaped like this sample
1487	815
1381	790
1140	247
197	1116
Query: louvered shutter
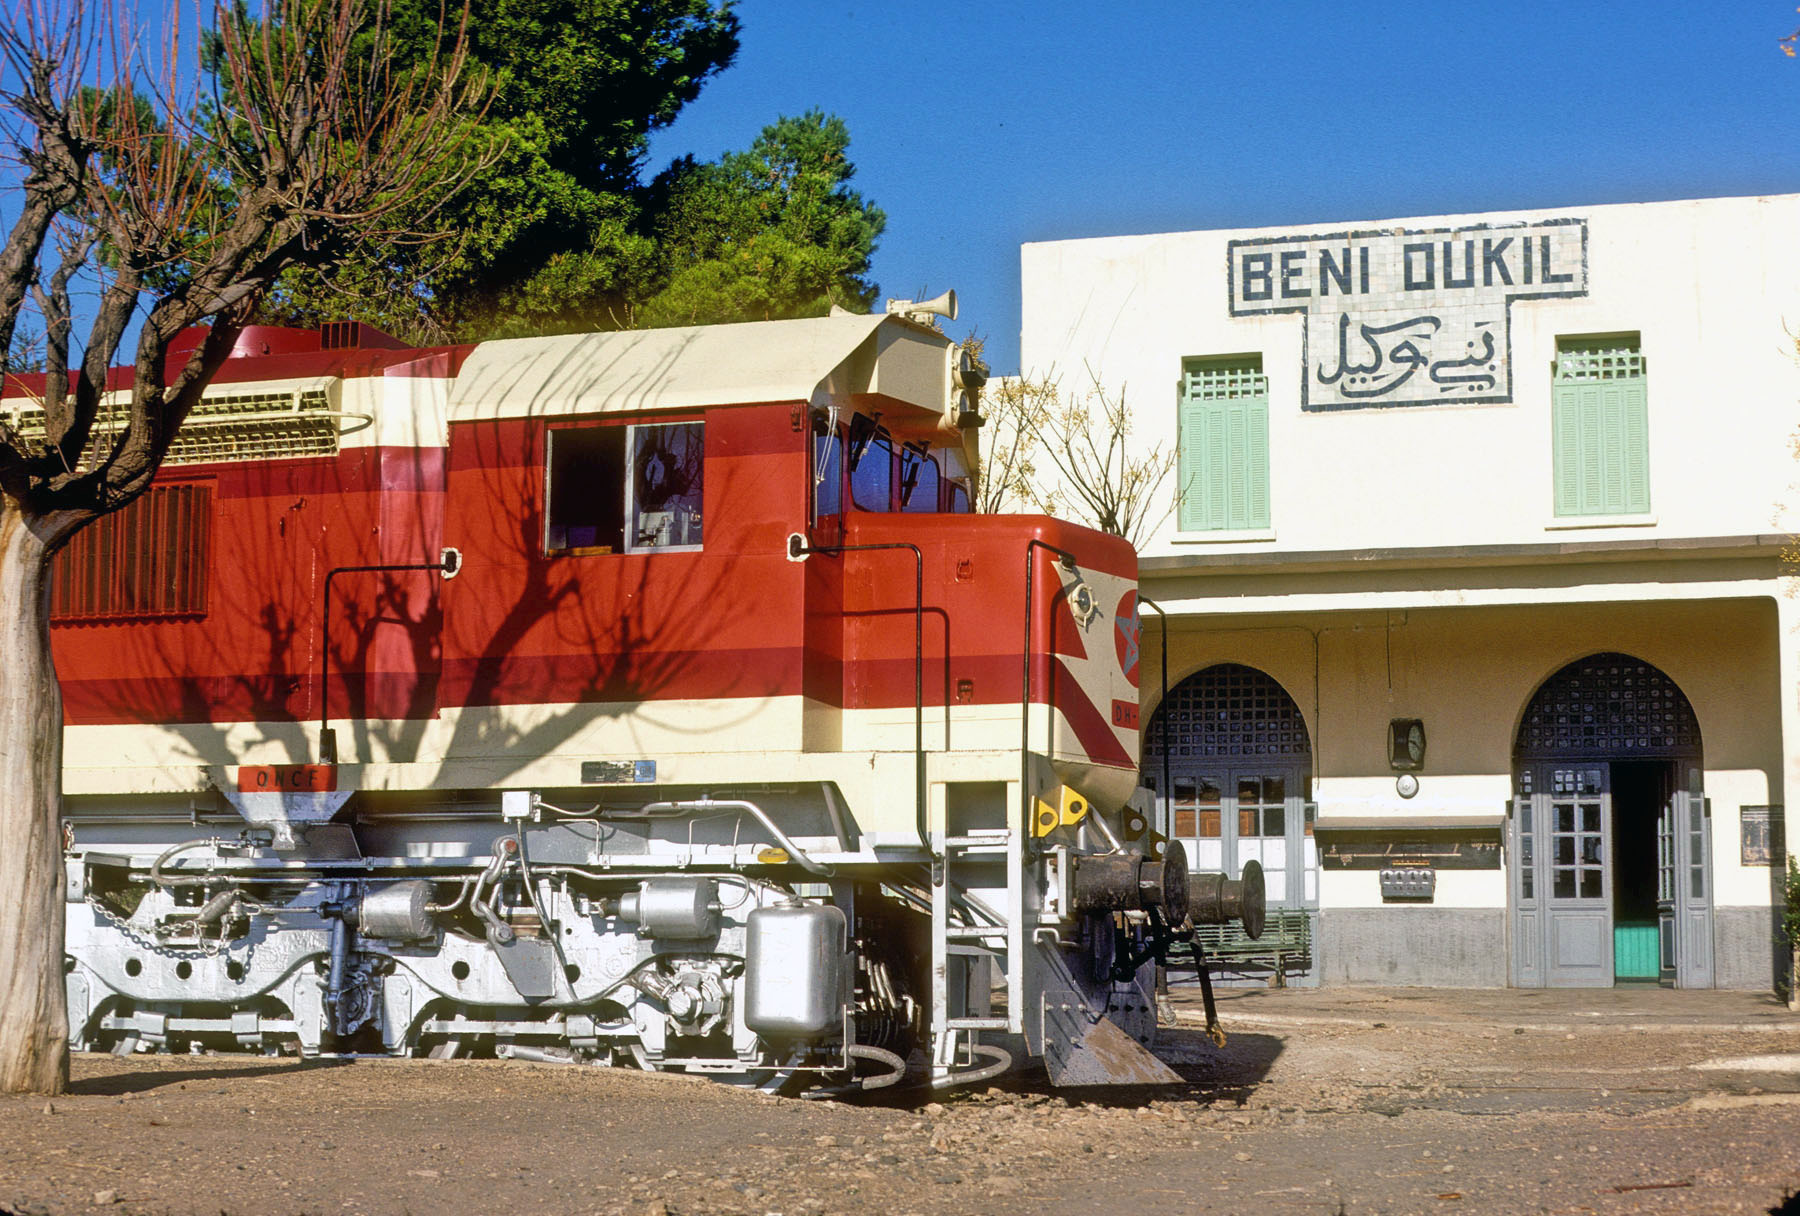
1634	412
1224	447
1600	430
1567	448
1256	463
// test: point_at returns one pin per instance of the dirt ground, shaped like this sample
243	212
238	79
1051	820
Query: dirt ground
1370	1106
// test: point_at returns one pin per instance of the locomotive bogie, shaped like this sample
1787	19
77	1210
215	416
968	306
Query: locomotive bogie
644	966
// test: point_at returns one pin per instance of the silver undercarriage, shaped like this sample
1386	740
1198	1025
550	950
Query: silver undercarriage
707	943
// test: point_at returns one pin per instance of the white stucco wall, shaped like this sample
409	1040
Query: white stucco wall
1712	286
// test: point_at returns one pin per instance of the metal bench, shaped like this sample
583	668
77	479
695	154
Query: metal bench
1286	941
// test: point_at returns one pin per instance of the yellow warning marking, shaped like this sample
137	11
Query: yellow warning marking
1069	808
1074	807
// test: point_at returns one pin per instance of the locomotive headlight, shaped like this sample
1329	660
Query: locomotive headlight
1082	603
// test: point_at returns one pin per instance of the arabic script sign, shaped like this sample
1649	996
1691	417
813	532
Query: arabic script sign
1398	317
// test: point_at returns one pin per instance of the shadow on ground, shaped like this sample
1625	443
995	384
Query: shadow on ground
1210	1075
113	1085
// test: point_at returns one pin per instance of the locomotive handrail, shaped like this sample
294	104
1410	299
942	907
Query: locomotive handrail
799	547
445	566
654	809
1068	563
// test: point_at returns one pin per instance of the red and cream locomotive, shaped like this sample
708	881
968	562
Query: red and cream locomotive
650	698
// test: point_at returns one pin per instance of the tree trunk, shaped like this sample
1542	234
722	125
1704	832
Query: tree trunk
34	1019
1794	978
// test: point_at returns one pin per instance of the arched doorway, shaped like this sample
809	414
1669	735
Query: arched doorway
1610	872
1240	775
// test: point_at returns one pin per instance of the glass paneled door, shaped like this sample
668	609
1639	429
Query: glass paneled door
1561	884
1232	748
1609	835
1227	816
1683	891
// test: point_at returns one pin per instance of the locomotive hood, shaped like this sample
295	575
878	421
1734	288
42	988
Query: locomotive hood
815	360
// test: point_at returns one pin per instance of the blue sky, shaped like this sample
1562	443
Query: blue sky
981	126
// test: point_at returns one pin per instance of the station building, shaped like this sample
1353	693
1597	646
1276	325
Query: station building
1478	632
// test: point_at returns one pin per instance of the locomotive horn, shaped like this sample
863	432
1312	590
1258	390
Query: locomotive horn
941	306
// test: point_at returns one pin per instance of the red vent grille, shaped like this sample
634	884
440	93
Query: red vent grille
148	559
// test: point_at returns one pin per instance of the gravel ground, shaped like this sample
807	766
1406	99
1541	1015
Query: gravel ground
1307	1109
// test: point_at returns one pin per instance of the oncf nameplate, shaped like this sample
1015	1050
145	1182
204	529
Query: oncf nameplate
1399	317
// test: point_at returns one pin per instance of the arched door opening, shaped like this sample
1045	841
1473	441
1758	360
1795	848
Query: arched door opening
1610	875
1240	776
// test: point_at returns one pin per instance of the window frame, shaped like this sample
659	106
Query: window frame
629	431
1600	428
1222	424
877	435
920	457
834	440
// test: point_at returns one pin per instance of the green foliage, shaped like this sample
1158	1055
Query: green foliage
771	232
559	235
579	85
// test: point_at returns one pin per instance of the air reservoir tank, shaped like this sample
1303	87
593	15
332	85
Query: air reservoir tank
795	968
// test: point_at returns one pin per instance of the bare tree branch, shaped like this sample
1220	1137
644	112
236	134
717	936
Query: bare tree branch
315	142
1054	451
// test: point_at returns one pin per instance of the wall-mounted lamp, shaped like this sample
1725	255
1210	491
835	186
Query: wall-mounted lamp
1406	745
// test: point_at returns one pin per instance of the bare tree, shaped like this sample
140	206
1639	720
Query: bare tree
1015	413
311	141
1072	453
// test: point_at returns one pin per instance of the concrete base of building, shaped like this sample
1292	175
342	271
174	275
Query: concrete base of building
1462	947
1428	947
1750	952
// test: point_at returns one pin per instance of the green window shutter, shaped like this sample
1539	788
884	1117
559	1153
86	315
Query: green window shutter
1566	444
1600	429
1196	478
1223	461
1635	417
1594	446
1256	464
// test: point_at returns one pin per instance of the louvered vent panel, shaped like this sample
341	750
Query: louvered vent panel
241	426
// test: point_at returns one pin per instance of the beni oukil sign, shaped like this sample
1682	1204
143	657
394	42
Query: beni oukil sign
1403	317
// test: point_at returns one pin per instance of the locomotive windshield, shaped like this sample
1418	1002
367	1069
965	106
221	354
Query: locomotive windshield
918	481
872	472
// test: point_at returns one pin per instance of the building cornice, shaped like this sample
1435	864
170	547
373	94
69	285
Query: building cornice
1327	561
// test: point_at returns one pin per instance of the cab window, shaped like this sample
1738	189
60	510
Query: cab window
918	481
828	471
625	489
872	472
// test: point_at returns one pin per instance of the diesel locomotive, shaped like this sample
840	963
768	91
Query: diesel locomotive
646	698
